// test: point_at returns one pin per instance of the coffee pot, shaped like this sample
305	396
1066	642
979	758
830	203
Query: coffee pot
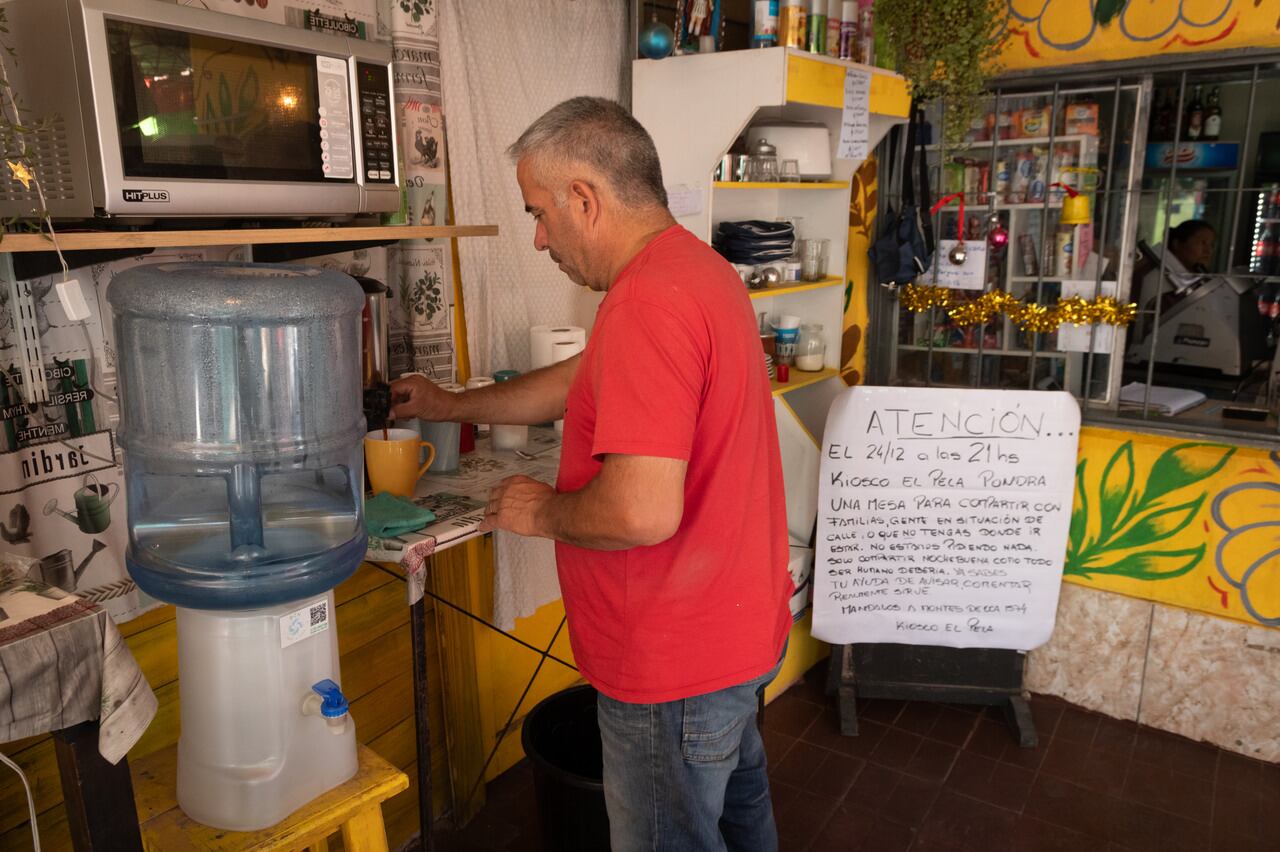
93	505
374	354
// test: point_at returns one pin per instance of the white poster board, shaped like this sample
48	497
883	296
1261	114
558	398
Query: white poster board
943	516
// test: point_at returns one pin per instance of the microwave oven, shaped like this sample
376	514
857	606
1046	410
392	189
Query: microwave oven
142	108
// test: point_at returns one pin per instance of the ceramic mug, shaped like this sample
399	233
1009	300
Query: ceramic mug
393	462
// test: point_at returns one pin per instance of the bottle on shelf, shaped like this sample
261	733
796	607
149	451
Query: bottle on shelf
791	23
834	11
816	42
765	23
866	34
1213	117
1162	120
849	30
1195	117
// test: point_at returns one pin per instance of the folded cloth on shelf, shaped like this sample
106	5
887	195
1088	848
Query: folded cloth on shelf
386	515
755	241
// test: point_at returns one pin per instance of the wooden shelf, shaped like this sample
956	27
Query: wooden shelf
797	287
800	379
748	184
74	241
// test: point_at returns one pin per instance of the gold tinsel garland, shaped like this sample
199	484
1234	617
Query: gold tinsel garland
1032	317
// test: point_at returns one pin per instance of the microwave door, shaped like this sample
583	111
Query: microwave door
211	124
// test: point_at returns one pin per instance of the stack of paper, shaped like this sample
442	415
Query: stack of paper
1167	401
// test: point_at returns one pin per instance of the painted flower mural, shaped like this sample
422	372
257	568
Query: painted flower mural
1124	525
1116	29
1248	557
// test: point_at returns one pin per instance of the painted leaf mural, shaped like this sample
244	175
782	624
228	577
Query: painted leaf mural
1134	526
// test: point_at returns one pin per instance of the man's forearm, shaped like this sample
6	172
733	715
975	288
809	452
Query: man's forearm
579	519
535	397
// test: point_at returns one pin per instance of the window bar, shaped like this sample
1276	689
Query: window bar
976	381
1104	210
1239	190
1164	247
937	232
1044	227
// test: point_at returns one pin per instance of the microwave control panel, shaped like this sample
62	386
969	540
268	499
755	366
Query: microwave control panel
375	123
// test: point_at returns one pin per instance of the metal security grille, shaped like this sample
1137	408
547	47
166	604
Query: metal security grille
1133	207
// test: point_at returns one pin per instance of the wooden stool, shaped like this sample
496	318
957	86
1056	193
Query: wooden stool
354	808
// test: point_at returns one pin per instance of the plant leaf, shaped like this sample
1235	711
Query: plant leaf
1147	565
1158	525
1079	515
1183	465
1117	485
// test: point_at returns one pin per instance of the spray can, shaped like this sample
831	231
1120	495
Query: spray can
849	30
765	24
817	38
833	28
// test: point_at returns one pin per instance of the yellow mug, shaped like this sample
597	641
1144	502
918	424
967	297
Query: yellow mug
392	461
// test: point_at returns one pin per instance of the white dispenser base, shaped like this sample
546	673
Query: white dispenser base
249	755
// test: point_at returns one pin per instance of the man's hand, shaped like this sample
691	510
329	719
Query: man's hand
516	505
418	396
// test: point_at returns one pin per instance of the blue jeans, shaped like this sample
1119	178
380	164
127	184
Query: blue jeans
689	775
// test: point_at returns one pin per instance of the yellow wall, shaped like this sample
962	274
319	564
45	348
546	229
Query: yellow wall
862	229
1185	522
1045	33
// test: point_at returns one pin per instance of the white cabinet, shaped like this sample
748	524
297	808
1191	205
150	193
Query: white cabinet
695	107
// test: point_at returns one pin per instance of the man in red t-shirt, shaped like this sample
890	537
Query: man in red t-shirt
668	512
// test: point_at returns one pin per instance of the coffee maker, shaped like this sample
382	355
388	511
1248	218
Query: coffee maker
375	329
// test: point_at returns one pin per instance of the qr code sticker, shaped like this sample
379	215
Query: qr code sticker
319	613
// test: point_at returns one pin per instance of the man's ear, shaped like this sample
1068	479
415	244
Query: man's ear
585	199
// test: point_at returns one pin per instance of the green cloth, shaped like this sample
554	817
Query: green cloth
387	515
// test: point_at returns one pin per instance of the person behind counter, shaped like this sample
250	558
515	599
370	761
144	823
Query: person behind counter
1191	246
668	511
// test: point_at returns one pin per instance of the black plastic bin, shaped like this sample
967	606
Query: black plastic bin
561	738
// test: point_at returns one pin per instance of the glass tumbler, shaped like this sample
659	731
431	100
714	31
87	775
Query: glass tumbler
790	171
813	259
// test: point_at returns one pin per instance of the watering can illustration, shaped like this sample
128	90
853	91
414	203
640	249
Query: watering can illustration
56	569
93	505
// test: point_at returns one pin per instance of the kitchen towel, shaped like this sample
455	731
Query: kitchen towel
387	515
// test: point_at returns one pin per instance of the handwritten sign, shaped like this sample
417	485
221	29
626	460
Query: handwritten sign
943	516
970	275
855	121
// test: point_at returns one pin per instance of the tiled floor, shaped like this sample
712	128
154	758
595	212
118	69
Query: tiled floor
925	777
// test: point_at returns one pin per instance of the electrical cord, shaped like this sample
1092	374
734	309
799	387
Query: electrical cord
31	802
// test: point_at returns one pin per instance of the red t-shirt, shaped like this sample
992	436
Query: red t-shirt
674	369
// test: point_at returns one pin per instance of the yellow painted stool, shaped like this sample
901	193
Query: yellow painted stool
354	808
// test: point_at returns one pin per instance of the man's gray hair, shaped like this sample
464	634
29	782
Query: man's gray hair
602	135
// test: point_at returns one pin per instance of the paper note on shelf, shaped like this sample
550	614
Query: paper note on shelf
1166	401
855	121
970	275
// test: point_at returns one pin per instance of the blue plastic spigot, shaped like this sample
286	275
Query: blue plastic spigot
334	704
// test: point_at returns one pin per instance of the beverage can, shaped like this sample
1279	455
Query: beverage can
1062	249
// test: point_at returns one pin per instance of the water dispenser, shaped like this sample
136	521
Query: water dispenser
241	425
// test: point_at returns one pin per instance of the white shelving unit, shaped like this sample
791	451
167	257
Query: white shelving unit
695	107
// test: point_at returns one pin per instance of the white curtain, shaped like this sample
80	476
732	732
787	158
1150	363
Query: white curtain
504	63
